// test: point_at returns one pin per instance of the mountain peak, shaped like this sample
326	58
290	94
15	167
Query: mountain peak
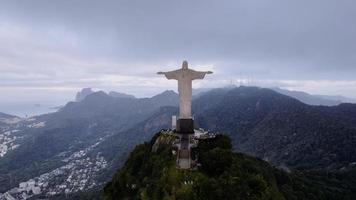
83	94
97	96
168	92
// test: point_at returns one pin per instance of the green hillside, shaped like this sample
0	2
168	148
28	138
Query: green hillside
150	173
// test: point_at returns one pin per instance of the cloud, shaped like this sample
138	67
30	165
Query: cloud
119	45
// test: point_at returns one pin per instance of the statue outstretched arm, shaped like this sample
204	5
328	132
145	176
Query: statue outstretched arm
199	75
170	74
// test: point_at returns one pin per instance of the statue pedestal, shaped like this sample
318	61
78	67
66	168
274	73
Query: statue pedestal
185	126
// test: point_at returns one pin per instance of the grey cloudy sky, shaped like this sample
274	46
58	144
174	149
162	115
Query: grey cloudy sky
50	49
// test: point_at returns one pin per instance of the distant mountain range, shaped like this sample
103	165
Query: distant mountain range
102	129
325	100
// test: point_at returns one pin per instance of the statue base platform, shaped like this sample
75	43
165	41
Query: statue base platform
185	126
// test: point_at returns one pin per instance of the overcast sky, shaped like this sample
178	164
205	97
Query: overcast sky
51	49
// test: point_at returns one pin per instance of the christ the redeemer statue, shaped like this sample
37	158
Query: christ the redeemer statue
185	77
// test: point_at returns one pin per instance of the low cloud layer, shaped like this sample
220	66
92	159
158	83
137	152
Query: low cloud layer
119	45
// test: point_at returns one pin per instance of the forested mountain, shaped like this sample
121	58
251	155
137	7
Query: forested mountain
280	129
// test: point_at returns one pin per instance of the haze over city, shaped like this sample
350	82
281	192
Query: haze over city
51	49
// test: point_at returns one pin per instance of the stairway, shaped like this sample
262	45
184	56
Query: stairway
183	156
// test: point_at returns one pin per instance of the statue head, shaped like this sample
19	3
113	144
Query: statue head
185	65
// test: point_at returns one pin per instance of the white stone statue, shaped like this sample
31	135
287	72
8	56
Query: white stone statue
185	77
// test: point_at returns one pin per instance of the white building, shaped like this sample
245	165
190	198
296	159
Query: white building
174	122
36	190
23	186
